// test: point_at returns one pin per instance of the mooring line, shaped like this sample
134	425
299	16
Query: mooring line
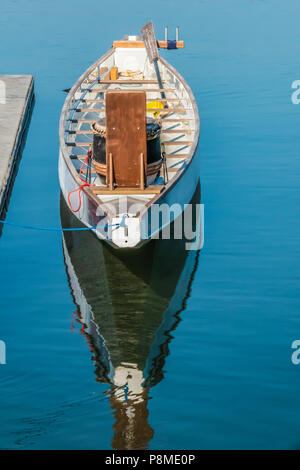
55	229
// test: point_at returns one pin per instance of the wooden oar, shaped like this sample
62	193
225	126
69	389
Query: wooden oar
152	51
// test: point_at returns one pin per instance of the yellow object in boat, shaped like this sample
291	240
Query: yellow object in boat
155	105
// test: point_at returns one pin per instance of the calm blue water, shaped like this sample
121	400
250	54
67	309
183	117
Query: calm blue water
228	380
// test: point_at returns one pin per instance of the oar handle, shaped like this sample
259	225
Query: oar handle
163	95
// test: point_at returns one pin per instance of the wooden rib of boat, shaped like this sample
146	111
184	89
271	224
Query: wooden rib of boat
129	132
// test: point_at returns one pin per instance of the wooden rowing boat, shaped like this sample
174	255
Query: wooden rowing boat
129	132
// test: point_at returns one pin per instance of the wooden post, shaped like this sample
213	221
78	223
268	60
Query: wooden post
111	172
142	169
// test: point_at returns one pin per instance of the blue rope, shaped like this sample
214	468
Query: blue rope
54	229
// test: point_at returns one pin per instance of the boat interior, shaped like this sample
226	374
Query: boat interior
127	71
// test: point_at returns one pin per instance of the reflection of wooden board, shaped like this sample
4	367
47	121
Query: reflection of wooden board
126	136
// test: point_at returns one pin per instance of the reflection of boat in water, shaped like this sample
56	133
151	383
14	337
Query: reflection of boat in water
128	303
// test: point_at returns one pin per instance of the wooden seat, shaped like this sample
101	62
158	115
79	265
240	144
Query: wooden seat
168	155
163	131
155	189
129	82
147	90
178	109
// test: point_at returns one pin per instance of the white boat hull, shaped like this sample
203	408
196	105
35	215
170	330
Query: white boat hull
134	231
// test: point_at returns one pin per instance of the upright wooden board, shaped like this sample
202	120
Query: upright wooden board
126	136
150	41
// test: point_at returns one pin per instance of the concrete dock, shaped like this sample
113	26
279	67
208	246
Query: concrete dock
16	101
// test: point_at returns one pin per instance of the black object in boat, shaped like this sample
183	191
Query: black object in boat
153	141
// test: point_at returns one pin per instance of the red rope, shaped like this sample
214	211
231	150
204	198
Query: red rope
79	189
